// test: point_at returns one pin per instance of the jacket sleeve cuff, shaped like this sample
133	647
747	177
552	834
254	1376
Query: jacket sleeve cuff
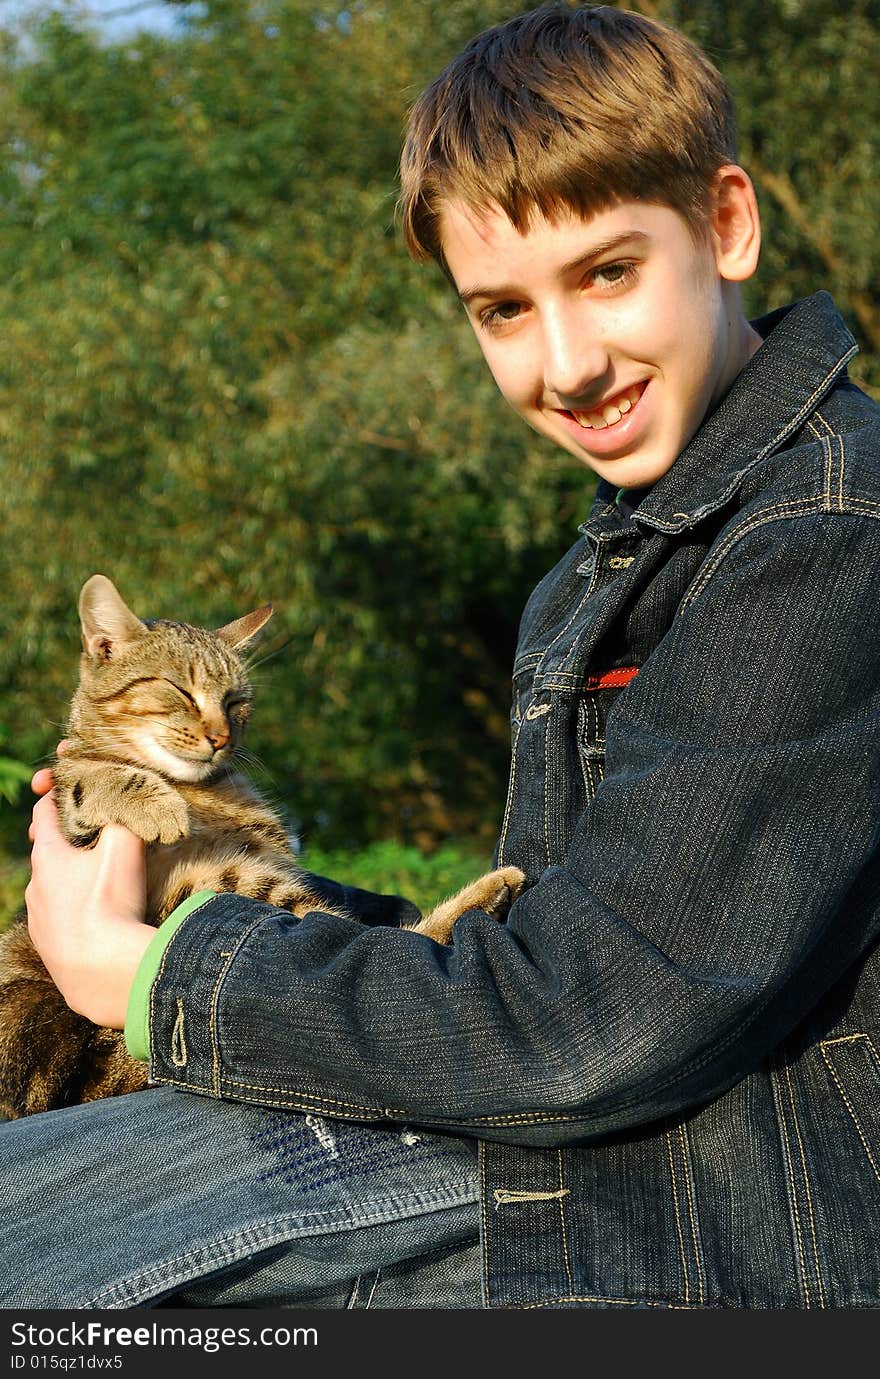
137	1016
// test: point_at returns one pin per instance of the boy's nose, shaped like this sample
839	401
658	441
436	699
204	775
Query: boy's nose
575	360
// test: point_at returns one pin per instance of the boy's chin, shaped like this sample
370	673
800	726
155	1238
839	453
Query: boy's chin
639	470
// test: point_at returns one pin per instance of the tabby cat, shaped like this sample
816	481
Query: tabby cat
153	729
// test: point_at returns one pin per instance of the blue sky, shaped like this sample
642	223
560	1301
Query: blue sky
118	19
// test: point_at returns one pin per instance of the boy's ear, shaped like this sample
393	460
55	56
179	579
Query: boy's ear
735	223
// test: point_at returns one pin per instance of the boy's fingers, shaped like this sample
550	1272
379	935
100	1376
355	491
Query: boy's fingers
44	818
42	781
120	843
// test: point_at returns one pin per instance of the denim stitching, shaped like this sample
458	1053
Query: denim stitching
851	1039
484	1221
522	1118
572	651
853	506
215	1001
607	1302
584	736
252	1239
178	1038
505	1196
527	663
827	448
588	730
840	443
510	794
563	1192
688	1179
574	615
779	512
829	460
546	787
293	1101
684	1266
786	1149
862	507
298	1102
795	422
154	1042
537	711
806	1178
369	1300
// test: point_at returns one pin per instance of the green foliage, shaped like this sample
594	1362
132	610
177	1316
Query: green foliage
222	382
810	145
14	775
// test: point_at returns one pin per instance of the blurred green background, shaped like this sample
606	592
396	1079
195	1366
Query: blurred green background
223	383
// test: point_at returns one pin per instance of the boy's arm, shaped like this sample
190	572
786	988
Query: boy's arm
367	907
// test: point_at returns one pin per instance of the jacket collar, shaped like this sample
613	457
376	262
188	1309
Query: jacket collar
806	347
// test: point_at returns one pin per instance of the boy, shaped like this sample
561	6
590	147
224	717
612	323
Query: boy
666	1055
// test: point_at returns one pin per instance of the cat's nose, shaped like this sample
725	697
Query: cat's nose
217	740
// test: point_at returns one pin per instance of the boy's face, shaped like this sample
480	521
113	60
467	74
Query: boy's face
612	335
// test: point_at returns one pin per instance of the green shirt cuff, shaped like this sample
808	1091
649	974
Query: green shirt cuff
137	1015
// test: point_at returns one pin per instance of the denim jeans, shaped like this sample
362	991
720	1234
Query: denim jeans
161	1197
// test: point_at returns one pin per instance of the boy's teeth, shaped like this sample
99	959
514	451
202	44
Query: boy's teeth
611	412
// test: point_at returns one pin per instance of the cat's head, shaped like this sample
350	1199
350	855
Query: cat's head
161	694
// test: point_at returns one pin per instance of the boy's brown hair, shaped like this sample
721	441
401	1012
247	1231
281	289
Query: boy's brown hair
566	109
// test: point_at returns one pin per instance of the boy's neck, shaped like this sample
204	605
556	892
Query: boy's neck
742	342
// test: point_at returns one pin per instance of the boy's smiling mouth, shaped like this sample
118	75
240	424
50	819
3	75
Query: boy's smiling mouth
616	427
611	411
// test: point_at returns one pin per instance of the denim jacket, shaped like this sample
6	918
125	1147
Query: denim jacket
670	1053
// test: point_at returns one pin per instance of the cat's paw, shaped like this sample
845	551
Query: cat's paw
138	800
164	818
494	893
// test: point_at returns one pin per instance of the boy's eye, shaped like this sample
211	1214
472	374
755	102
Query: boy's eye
499	315
613	274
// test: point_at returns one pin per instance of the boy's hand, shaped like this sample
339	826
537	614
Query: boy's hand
86	911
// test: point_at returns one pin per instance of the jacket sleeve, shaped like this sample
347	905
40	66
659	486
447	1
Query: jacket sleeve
721	880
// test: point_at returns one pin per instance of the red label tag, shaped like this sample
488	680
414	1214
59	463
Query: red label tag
612	679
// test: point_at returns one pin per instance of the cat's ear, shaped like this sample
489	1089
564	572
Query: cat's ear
107	622
237	634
